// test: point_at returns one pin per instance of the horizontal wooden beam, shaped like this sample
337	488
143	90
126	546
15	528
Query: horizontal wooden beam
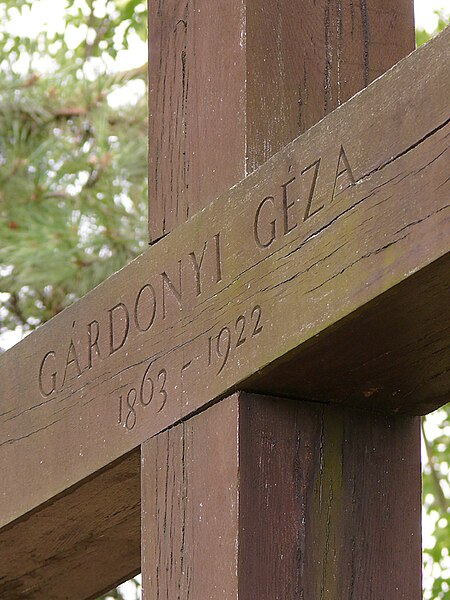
80	544
345	226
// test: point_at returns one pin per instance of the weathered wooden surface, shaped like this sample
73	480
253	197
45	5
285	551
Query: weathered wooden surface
263	498
396	344
361	221
189	507
274	469
79	545
215	116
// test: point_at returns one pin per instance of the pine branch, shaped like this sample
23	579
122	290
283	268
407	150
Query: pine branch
15	308
90	48
67	112
140	72
56	194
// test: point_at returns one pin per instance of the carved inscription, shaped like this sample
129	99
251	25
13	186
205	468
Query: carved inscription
157	385
165	296
295	201
152	391
172	292
222	346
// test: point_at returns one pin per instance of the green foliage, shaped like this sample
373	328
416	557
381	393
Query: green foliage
73	164
423	36
436	495
104	28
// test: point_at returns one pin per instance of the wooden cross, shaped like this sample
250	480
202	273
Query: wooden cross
249	386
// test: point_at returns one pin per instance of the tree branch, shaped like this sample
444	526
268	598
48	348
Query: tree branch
15	308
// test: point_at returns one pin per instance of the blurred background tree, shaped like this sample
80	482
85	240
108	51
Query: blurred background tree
73	162
73	188
73	154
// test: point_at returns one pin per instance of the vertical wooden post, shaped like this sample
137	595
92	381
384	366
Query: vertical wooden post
230	83
257	497
263	498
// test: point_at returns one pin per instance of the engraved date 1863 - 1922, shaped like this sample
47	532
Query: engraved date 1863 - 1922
158	385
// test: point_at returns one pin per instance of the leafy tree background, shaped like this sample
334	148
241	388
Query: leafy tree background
73	165
73	186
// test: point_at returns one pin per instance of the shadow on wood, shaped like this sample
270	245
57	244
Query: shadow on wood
259	498
389	350
78	545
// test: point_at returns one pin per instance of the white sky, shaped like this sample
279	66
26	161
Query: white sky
49	15
424	12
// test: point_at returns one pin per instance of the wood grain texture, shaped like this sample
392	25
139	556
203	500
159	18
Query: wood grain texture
265	498
165	336
79	545
190	490
230	86
372	350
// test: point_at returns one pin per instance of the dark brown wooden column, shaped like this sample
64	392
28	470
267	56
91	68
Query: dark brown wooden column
261	498
258	497
230	83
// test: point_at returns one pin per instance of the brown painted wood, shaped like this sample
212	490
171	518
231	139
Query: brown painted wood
355	357
78	545
189	508
283	478
229	87
383	222
265	498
